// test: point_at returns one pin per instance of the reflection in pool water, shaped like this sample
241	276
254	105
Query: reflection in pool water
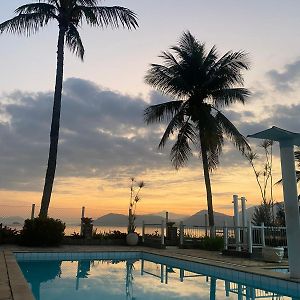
129	279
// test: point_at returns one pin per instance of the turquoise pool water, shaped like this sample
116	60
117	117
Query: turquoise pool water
136	275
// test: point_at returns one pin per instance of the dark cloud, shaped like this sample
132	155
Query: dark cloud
287	79
102	134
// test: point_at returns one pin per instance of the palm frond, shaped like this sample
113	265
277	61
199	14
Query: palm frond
74	42
25	23
181	151
167	81
41	8
227	96
161	112
232	133
114	16
186	130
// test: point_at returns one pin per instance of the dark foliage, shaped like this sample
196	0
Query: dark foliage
42	232
111	235
8	235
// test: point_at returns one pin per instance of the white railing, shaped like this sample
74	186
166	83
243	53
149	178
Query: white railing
153	232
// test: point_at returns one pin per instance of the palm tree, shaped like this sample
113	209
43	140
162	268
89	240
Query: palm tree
200	84
69	14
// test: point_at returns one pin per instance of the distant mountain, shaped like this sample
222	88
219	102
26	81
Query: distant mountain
11	220
122	220
172	216
198	219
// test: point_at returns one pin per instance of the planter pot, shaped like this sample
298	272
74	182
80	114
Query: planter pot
272	254
132	239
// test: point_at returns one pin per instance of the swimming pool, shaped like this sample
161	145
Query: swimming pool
141	275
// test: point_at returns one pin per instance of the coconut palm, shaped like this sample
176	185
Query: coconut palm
69	14
199	83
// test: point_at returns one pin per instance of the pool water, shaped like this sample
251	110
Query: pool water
135	276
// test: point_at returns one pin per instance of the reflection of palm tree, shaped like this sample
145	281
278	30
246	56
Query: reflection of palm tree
83	269
201	84
37	272
69	16
129	279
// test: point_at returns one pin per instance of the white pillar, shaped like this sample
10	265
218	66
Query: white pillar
291	206
244	213
237	222
244	221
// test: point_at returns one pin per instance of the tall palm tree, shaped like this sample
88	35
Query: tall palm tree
69	14
201	83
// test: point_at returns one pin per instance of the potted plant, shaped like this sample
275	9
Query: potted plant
132	237
87	227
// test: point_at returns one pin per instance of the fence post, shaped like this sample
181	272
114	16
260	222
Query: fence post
262	234
225	236
162	233
32	211
143	232
181	233
250	245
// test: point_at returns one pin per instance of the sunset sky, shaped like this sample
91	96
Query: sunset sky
104	140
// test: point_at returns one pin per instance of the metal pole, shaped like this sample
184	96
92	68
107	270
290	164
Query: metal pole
250	245
167	217
32	211
143	232
262	234
237	222
225	236
181	233
162	233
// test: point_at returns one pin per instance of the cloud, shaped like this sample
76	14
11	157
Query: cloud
286	80
102	134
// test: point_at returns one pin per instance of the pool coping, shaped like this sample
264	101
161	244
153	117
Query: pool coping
19	289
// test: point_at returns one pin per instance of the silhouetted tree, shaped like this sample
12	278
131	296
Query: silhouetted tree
201	84
69	14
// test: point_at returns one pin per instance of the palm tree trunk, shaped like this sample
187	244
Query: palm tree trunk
210	210
54	133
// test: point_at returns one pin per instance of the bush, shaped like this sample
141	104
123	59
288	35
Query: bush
211	243
206	243
8	235
42	232
111	235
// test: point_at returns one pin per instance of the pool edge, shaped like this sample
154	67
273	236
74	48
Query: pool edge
19	287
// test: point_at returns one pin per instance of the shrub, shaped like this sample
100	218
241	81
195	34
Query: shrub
207	243
111	235
8	235
211	243
42	232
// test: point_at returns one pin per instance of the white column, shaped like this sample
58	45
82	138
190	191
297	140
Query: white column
291	206
244	213
236	222
244	221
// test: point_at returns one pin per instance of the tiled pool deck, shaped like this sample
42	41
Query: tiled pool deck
13	285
